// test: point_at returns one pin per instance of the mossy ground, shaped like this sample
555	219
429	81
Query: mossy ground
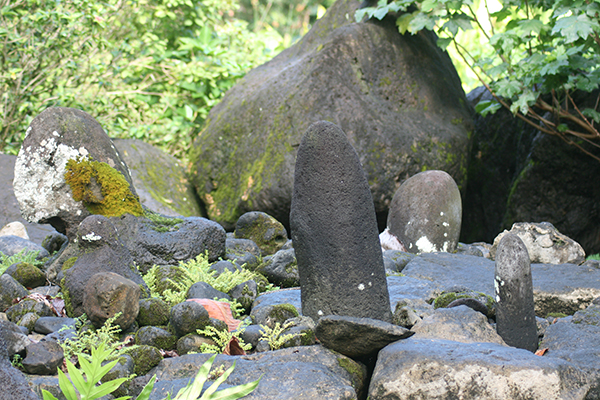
102	189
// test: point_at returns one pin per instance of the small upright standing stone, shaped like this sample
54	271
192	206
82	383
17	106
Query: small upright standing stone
334	230
515	313
425	215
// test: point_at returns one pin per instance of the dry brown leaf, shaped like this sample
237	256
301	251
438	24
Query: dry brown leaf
541	352
219	310
233	348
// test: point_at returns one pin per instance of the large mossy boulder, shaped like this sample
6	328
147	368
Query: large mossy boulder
160	180
397	97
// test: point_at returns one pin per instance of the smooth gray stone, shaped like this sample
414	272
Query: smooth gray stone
357	337
202	290
43	358
515	312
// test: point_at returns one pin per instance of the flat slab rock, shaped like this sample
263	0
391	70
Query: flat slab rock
577	287
357	337
308	372
441	369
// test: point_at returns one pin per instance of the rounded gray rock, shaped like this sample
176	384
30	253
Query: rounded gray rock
426	213
334	230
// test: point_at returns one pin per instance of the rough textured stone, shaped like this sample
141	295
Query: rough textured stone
12	340
99	250
435	369
106	294
460	324
426	213
9	206
397	97
410	312
27	274
544	243
264	230
281	268
187	317
311	372
357	337
202	290
54	137
153	311
242	251
43	358
10	289
47	325
155	336
270	315
334	230
11	245
435	272
515	314
159	179
182	239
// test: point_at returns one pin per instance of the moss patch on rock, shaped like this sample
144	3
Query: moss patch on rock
102	189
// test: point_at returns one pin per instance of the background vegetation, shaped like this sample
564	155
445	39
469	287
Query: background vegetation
146	69
152	69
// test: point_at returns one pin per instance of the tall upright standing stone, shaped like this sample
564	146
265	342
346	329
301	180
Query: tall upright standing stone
334	230
515	313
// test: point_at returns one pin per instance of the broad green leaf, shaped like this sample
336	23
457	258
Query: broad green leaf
487	107
575	27
531	25
193	389
562	127
46	395
443	43
403	22
147	390
236	392
507	88
593	114
525	100
428	5
381	12
66	386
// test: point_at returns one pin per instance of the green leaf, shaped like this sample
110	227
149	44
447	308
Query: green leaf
593	114
525	100
147	390
192	390
381	12
236	392
443	43
574	27
66	386
403	22
531	25
562	128
46	395
486	107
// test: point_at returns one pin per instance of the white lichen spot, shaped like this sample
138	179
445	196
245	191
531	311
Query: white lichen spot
320	312
445	234
497	299
91	237
78	212
361	287
445	224
370	283
424	245
83	151
441	213
27	132
56	134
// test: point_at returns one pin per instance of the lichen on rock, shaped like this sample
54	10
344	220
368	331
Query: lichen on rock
101	188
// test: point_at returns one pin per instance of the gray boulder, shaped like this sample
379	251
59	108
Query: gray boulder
159	179
27	274
187	317
202	290
162	240
397	97
459	324
155	336
43	358
425	214
264	230
54	137
10	289
441	369
11	245
299	373
9	206
544	243
242	252
99	249
12	340
281	268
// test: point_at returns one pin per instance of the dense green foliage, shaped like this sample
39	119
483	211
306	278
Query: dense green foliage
146	69
532	57
24	255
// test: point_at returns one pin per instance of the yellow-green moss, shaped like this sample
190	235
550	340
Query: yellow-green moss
101	188
69	263
161	223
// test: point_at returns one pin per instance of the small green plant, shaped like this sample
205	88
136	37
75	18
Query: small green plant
86	378
17	362
193	389
195	270
22	256
161	223
275	337
87	338
593	257
221	338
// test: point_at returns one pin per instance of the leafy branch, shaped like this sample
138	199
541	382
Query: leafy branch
534	56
